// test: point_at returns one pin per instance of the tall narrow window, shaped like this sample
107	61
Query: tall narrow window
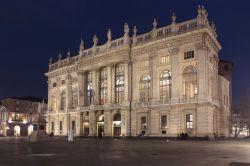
145	88
119	84
75	98
103	86
63	100
165	85
60	125
73	126
143	123
163	121
189	121
189	83
53	103
52	126
90	91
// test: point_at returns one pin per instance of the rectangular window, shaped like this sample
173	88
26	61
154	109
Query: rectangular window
145	63
143	123
188	54
189	121
73	126
54	84
163	121
164	59
60	125
52	126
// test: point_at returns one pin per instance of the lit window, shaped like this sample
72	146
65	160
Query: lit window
189	121
188	54
164	59
165	85
145	88
189	83
163	121
119	84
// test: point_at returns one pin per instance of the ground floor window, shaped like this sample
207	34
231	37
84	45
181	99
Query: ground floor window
163	121
52	126
73	126
143	124
189	121
60	126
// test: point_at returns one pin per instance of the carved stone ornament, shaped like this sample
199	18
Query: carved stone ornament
173	51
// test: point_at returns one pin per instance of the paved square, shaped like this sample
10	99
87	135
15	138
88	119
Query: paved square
111	152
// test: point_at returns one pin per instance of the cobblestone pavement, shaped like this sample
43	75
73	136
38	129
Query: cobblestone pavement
129	152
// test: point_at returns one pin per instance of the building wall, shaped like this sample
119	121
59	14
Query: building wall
191	51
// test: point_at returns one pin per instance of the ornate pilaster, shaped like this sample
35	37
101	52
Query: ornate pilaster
175	94
108	123
68	92
92	124
81	88
109	79
126	82
203	70
153	75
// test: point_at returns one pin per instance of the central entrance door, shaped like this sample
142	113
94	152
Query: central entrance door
117	125
100	126
100	129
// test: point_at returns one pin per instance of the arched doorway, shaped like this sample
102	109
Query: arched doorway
17	130
100	126
30	129
117	125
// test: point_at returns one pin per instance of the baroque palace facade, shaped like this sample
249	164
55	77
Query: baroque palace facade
157	84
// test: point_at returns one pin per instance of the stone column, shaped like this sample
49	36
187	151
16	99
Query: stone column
81	124
58	95
153	76
108	123
92	124
68	92
175	94
49	94
113	84
81	88
96	82
109	79
124	123
126	82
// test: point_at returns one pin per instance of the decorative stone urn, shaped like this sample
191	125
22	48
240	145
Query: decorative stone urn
39	129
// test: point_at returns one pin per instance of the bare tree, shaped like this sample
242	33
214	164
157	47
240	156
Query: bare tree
238	124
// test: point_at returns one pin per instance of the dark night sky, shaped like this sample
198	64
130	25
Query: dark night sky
32	31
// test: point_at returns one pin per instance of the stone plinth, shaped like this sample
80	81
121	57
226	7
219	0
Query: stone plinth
39	130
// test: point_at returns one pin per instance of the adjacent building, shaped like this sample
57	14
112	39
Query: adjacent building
18	115
156	84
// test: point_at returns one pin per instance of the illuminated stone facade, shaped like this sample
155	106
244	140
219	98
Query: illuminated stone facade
157	84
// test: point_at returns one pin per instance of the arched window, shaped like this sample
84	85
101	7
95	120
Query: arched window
145	88
189	83
53	102
119	84
165	85
117	117
63	100
75	98
103	86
